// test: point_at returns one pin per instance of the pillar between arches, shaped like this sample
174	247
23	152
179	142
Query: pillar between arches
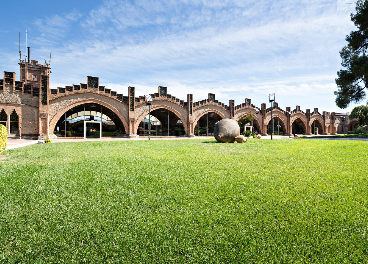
20	126
191	128
8	123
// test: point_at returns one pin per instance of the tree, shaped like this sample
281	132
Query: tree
248	118
360	113
353	80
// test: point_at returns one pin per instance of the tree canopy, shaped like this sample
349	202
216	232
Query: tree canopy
353	80
248	118
360	113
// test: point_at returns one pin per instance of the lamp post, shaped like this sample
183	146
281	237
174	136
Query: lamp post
149	100
272	100
343	124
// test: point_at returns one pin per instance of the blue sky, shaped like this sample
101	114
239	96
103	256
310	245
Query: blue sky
234	48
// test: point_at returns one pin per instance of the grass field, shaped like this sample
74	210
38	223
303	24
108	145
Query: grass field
180	201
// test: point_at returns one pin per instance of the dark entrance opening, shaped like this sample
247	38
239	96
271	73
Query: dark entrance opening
163	123
316	128
279	128
298	127
14	123
93	129
206	124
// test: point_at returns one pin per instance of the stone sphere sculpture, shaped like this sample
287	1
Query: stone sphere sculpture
226	131
365	129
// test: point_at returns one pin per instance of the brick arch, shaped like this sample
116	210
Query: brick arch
351	123
208	111
156	107
275	112
56	117
303	121
319	119
199	111
253	114
268	119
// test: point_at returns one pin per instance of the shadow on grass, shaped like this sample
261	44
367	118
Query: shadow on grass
209	142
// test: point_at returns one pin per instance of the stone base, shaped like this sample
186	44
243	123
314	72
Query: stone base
43	136
14	136
131	136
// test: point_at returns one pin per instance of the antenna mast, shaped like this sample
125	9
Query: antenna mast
50	55
20	53
26	41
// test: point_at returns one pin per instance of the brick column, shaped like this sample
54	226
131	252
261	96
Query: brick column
131	106
288	128
232	108
308	128
263	126
190	127
20	125
333	129
8	123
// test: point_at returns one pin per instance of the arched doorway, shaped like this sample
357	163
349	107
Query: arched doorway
89	120
206	124
14	123
316	128
163	123
298	127
248	119
354	126
278	126
3	117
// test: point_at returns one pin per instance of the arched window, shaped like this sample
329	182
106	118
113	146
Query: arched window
3	117
14	123
163	123
88	120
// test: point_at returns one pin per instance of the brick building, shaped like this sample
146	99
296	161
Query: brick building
31	108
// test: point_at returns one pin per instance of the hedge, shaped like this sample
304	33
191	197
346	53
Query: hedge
3	138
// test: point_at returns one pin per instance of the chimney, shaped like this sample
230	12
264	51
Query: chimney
29	54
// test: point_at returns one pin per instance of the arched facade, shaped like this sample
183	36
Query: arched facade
318	119
61	112
208	110
157	106
38	107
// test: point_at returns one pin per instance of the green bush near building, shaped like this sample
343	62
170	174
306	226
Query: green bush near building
185	201
3	138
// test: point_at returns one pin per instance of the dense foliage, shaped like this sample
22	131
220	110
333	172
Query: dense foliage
3	138
353	80
246	119
360	113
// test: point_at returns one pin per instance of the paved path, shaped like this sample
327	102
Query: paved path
18	143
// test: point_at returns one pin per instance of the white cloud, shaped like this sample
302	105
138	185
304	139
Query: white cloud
201	46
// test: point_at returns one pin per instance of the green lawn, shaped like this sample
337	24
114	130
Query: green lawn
180	201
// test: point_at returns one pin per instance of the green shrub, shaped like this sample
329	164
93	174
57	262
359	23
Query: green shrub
3	138
350	132
68	133
358	130
247	133
47	140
